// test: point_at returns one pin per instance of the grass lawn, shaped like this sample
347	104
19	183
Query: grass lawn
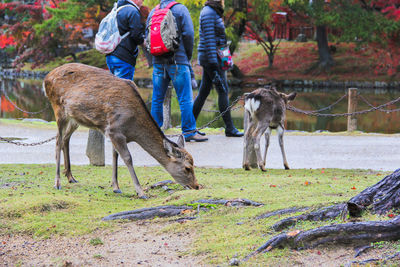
29	204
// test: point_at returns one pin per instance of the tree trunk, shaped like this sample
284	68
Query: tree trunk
325	58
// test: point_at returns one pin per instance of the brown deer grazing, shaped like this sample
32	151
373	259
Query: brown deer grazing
92	97
266	110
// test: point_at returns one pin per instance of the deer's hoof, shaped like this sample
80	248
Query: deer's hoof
262	168
287	167
117	191
72	181
58	187
246	167
143	197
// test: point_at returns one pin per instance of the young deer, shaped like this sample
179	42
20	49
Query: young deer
92	97
266	110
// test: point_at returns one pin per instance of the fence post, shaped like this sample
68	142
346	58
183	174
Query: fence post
252	154
95	148
352	106
167	110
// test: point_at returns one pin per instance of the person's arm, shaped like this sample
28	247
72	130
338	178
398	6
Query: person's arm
136	28
187	32
207	24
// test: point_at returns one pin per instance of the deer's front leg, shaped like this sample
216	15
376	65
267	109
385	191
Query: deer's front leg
115	185
280	137
119	143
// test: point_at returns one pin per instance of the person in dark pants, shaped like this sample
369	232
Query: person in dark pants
122	61
176	68
212	35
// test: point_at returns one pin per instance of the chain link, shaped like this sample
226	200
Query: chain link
311	113
381	110
332	105
20	109
25	144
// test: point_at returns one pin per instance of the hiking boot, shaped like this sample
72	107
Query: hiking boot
234	133
196	138
201	133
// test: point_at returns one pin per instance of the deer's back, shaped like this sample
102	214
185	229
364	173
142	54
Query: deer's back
269	106
92	96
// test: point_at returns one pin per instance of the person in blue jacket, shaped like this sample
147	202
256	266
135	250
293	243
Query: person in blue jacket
212	35
176	68
122	61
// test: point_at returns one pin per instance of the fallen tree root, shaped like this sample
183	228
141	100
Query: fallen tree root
391	257
149	213
169	211
322	214
382	197
233	202
347	233
281	212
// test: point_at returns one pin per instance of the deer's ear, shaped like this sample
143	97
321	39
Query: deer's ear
169	148
171	151
291	96
181	141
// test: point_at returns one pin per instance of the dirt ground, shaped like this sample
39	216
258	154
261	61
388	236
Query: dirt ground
145	244
135	244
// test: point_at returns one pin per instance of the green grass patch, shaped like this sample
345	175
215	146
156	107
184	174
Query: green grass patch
30	205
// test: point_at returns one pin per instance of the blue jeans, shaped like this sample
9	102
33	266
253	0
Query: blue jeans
120	68
180	76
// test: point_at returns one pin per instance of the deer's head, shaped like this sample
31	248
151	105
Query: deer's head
180	165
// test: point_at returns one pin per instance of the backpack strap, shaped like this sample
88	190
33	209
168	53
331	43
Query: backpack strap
168	6
131	4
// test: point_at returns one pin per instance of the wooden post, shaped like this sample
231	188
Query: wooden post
252	154
352	120
95	148
167	110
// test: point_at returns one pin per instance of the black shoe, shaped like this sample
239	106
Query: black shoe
201	133
234	133
196	138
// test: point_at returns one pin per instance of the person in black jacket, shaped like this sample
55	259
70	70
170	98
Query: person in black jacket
122	60
212	35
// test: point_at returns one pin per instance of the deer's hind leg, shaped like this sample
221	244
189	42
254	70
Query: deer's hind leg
248	143
267	136
280	137
69	129
256	136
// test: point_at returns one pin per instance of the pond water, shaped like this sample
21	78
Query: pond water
28	95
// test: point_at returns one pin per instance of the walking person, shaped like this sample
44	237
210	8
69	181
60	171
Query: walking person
212	36
122	61
175	67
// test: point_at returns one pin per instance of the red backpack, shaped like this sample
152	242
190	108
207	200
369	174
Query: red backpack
162	37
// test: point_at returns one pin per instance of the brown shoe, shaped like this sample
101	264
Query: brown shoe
196	138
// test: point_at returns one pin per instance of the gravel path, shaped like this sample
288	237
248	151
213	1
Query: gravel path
367	151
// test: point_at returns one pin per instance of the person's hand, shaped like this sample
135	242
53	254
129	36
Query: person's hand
194	83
